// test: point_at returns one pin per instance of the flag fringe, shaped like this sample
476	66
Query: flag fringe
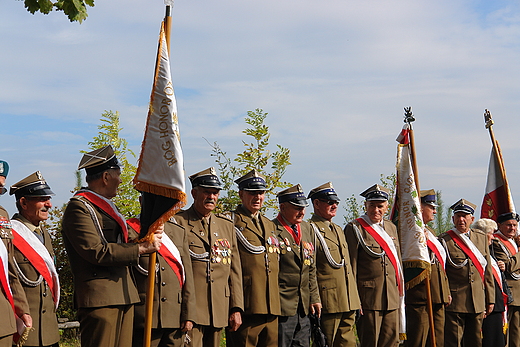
417	264
163	191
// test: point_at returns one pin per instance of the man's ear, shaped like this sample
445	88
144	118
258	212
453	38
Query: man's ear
23	202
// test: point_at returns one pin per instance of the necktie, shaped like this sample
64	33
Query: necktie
295	229
38	233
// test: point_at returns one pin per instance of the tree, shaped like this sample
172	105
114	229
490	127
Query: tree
355	208
127	199
255	156
75	10
442	221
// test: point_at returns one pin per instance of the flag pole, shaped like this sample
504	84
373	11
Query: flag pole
498	154
409	118
150	288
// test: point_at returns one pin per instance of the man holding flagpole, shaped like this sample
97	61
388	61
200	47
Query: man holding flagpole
100	254
417	323
470	278
34	257
376	263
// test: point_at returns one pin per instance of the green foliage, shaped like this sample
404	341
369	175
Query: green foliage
354	208
255	156
442	221
75	10
127	199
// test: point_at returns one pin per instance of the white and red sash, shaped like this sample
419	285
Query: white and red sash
4	274
469	248
510	244
39	257
386	243
435	246
107	206
168	251
297	238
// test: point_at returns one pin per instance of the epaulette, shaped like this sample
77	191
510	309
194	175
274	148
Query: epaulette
226	216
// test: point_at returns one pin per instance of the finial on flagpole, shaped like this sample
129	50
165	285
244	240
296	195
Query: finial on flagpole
488	119
408	115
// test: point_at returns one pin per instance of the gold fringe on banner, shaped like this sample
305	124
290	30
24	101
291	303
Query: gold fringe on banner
417	264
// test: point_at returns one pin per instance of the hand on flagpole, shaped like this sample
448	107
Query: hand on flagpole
155	244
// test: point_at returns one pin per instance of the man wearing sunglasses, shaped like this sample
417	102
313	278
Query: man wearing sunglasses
336	282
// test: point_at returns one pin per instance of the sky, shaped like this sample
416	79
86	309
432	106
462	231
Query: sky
334	77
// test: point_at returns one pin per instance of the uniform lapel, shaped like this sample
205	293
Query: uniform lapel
196	227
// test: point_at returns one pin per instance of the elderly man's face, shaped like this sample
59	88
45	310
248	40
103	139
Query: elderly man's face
292	213
376	210
428	213
508	228
326	209
35	209
205	199
252	200
462	221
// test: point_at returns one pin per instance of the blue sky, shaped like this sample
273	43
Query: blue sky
333	75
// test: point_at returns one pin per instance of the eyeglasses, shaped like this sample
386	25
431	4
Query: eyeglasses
330	202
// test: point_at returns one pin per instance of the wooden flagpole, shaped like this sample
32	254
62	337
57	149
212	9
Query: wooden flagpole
150	288
409	118
498	155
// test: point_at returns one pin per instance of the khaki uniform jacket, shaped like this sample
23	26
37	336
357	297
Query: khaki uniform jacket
512	269
259	271
218	283
337	287
297	276
439	285
376	280
100	263
41	304
469	294
172	304
7	316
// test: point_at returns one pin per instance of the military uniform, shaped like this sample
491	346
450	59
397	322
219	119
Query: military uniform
172	304
336	283
260	279
510	256
377	287
39	296
417	321
100	260
216	266
297	276
7	316
470	295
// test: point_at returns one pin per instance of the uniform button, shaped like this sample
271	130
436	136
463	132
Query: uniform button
268	270
162	268
211	269
94	274
212	281
45	294
163	299
44	310
163	284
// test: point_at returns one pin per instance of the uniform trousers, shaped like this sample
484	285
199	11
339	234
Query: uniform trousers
260	330
513	319
492	331
160	338
418	325
338	328
378	328
106	326
463	329
204	336
294	330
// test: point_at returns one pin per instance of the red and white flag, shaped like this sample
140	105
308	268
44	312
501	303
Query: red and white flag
497	199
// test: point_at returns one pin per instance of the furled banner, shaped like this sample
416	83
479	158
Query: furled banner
160	172
407	216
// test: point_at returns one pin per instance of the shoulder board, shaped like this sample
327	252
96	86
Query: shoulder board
225	215
444	235
173	221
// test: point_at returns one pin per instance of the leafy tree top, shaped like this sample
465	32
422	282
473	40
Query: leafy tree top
75	10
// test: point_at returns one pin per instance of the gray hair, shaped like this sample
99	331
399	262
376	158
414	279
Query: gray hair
486	225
